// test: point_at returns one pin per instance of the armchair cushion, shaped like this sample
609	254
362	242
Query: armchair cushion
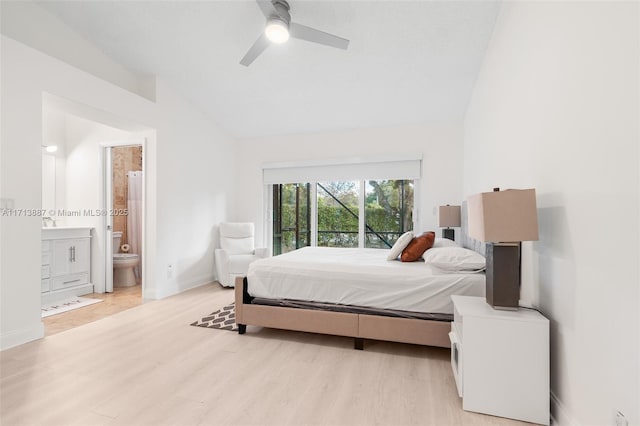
235	246
237	238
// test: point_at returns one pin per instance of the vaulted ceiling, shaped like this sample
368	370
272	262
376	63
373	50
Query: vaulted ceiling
408	61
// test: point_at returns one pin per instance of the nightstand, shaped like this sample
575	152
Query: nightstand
500	360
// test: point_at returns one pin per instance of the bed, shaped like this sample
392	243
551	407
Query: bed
355	293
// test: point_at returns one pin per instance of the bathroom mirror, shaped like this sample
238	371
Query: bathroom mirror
48	184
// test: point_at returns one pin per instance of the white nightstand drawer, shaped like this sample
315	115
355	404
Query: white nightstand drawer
46	258
45	285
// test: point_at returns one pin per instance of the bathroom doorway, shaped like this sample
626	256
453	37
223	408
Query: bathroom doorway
124	204
73	194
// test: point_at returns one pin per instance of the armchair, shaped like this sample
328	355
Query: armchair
237	250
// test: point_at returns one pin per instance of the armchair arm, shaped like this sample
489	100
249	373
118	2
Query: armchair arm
263	252
221	258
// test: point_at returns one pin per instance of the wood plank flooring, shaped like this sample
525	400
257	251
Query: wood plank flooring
148	366
120	300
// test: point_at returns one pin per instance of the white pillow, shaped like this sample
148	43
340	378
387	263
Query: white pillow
400	245
444	242
455	259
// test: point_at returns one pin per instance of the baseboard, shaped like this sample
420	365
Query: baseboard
179	287
196	282
149	294
18	337
57	295
559	414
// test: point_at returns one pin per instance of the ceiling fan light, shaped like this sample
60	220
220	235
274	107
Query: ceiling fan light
277	31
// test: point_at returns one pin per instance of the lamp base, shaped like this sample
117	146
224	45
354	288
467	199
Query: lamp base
449	234
503	275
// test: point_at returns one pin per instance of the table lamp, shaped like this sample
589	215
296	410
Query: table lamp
503	219
448	216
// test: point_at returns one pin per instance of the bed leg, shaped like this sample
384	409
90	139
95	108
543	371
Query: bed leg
242	298
246	298
358	343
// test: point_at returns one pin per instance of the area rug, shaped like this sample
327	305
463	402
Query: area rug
67	305
224	319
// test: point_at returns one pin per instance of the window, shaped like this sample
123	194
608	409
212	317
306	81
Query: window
291	217
346	213
338	220
388	211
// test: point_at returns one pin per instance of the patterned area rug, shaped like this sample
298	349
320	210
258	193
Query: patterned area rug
224	319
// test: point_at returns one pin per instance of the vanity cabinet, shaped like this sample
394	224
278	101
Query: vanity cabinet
71	256
66	262
45	268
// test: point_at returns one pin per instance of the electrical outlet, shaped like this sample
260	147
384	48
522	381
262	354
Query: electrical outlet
169	271
620	419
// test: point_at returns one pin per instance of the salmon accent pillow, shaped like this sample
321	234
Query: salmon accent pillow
417	247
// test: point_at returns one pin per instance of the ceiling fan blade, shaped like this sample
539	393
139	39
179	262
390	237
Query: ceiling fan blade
267	8
316	36
254	51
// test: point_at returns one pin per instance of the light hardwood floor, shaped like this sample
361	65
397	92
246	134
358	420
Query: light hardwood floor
120	300
147	366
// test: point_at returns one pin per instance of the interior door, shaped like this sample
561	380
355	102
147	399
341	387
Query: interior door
108	220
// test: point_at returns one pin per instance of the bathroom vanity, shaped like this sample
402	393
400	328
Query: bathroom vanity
66	263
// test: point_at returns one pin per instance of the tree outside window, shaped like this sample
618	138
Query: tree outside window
388	213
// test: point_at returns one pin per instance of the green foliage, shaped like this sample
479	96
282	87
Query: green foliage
388	214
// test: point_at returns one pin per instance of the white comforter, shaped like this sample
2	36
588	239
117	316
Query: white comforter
360	277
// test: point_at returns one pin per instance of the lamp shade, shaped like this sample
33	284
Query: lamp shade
448	216
503	216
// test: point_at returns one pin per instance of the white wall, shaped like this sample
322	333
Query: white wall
53	133
188	189
440	144
555	107
195	192
83	183
36	27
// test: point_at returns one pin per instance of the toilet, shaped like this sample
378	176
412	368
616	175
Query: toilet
123	264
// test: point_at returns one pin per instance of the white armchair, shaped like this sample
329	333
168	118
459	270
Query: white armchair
237	250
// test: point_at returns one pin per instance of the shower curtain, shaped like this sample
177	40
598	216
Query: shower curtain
134	218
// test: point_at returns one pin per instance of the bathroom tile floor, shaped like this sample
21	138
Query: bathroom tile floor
120	300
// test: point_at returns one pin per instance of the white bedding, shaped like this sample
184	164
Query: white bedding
359	277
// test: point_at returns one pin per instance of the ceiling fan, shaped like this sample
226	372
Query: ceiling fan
279	28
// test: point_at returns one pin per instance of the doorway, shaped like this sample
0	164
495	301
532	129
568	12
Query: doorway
122	211
74	193
124	203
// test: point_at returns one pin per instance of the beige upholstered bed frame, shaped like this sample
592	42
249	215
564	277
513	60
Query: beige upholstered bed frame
358	326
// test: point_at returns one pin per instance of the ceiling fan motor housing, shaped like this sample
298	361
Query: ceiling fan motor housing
282	7
279	28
